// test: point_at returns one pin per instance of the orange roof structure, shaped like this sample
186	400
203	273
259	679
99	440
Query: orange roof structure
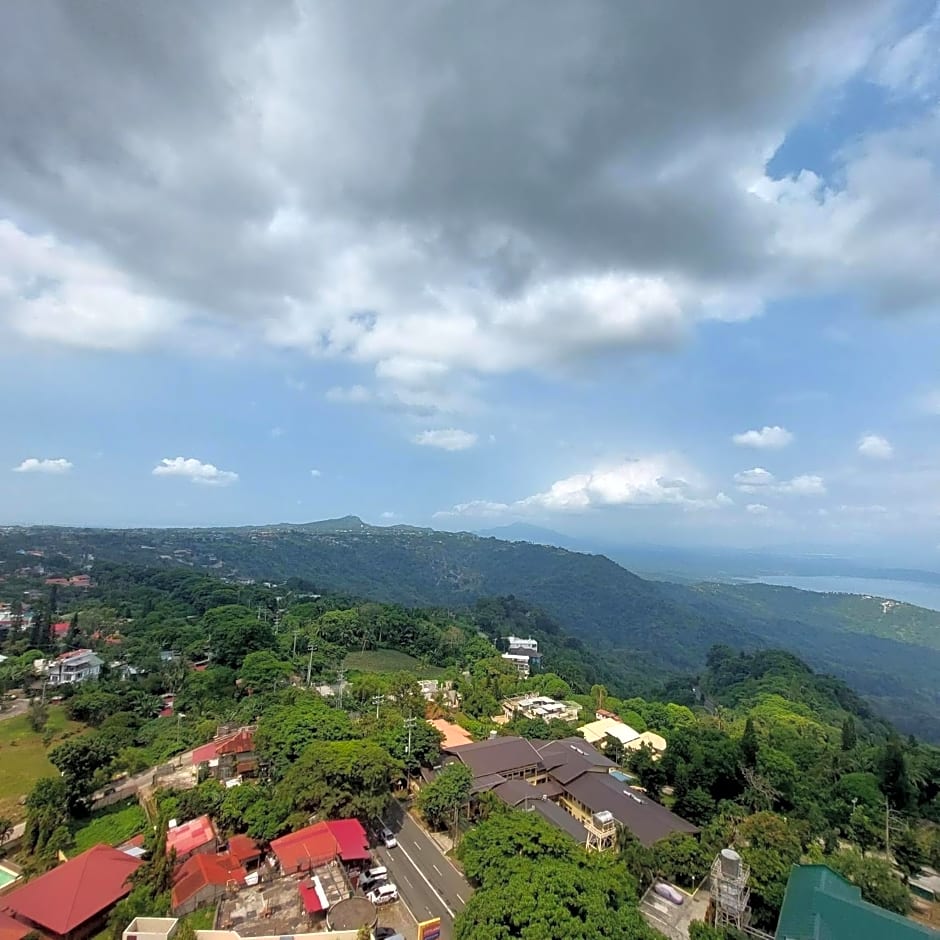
243	849
454	735
11	929
199	871
63	899
306	848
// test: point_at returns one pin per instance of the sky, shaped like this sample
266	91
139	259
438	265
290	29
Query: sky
644	271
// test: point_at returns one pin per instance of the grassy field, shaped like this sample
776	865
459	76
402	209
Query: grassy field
23	758
390	661
114	825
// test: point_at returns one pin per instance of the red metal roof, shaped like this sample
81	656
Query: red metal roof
61	628
239	742
352	839
243	849
198	871
312	902
190	836
63	899
314	845
11	929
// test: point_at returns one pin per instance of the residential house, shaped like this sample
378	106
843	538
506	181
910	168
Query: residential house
521	662
196	837
440	689
821	905
523	653
540	707
595	732
73	900
314	846
73	666
228	757
11	929
510	757
204	879
655	742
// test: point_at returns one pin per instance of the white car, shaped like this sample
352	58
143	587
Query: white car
383	894
388	837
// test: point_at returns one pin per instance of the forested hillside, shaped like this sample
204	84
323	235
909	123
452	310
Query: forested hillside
647	629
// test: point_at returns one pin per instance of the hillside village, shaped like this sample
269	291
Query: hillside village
268	760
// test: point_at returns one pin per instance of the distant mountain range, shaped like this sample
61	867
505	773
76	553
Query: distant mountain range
889	653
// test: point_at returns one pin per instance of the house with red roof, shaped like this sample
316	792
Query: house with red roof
196	837
73	901
308	848
60	629
204	879
229	756
11	929
245	851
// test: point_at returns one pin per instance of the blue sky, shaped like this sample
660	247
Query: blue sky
462	266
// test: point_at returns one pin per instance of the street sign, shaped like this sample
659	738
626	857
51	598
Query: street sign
430	929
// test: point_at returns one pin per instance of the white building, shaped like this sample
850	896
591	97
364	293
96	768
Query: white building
595	732
74	666
518	644
520	662
540	706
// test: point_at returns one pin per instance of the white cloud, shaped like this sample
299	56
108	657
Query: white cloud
759	480
446	439
750	480
55	465
387	515
805	485
195	471
316	473
767	438
277	432
757	509
647	481
875	446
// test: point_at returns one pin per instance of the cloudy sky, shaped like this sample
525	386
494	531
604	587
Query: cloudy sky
662	271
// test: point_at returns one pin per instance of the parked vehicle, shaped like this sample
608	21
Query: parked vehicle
668	892
388	837
372	877
383	894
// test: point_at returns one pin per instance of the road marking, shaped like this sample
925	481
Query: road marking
437	869
459	898
437	848
434	890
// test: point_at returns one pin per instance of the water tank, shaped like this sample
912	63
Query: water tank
603	819
730	864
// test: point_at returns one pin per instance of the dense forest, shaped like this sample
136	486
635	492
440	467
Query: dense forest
762	752
651	630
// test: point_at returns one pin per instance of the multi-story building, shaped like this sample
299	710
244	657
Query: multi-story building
73	666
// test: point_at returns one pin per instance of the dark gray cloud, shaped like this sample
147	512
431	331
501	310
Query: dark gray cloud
499	185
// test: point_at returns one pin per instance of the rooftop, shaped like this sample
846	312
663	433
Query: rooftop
190	836
201	870
63	899
648	820
595	731
454	735
570	757
498	755
820	904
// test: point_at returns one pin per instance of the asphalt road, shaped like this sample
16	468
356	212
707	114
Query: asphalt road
427	882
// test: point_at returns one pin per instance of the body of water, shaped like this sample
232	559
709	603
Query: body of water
911	592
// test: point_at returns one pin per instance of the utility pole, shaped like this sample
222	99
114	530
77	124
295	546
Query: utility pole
410	722
377	701
294	648
341	674
309	664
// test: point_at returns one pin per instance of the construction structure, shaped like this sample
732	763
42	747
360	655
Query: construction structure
601	831
730	891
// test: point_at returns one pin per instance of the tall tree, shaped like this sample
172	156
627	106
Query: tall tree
72	635
749	744
895	776
439	800
849	735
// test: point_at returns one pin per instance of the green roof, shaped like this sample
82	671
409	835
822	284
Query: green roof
821	905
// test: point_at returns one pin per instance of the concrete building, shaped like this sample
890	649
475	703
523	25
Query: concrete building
228	757
571	775
540	707
73	666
